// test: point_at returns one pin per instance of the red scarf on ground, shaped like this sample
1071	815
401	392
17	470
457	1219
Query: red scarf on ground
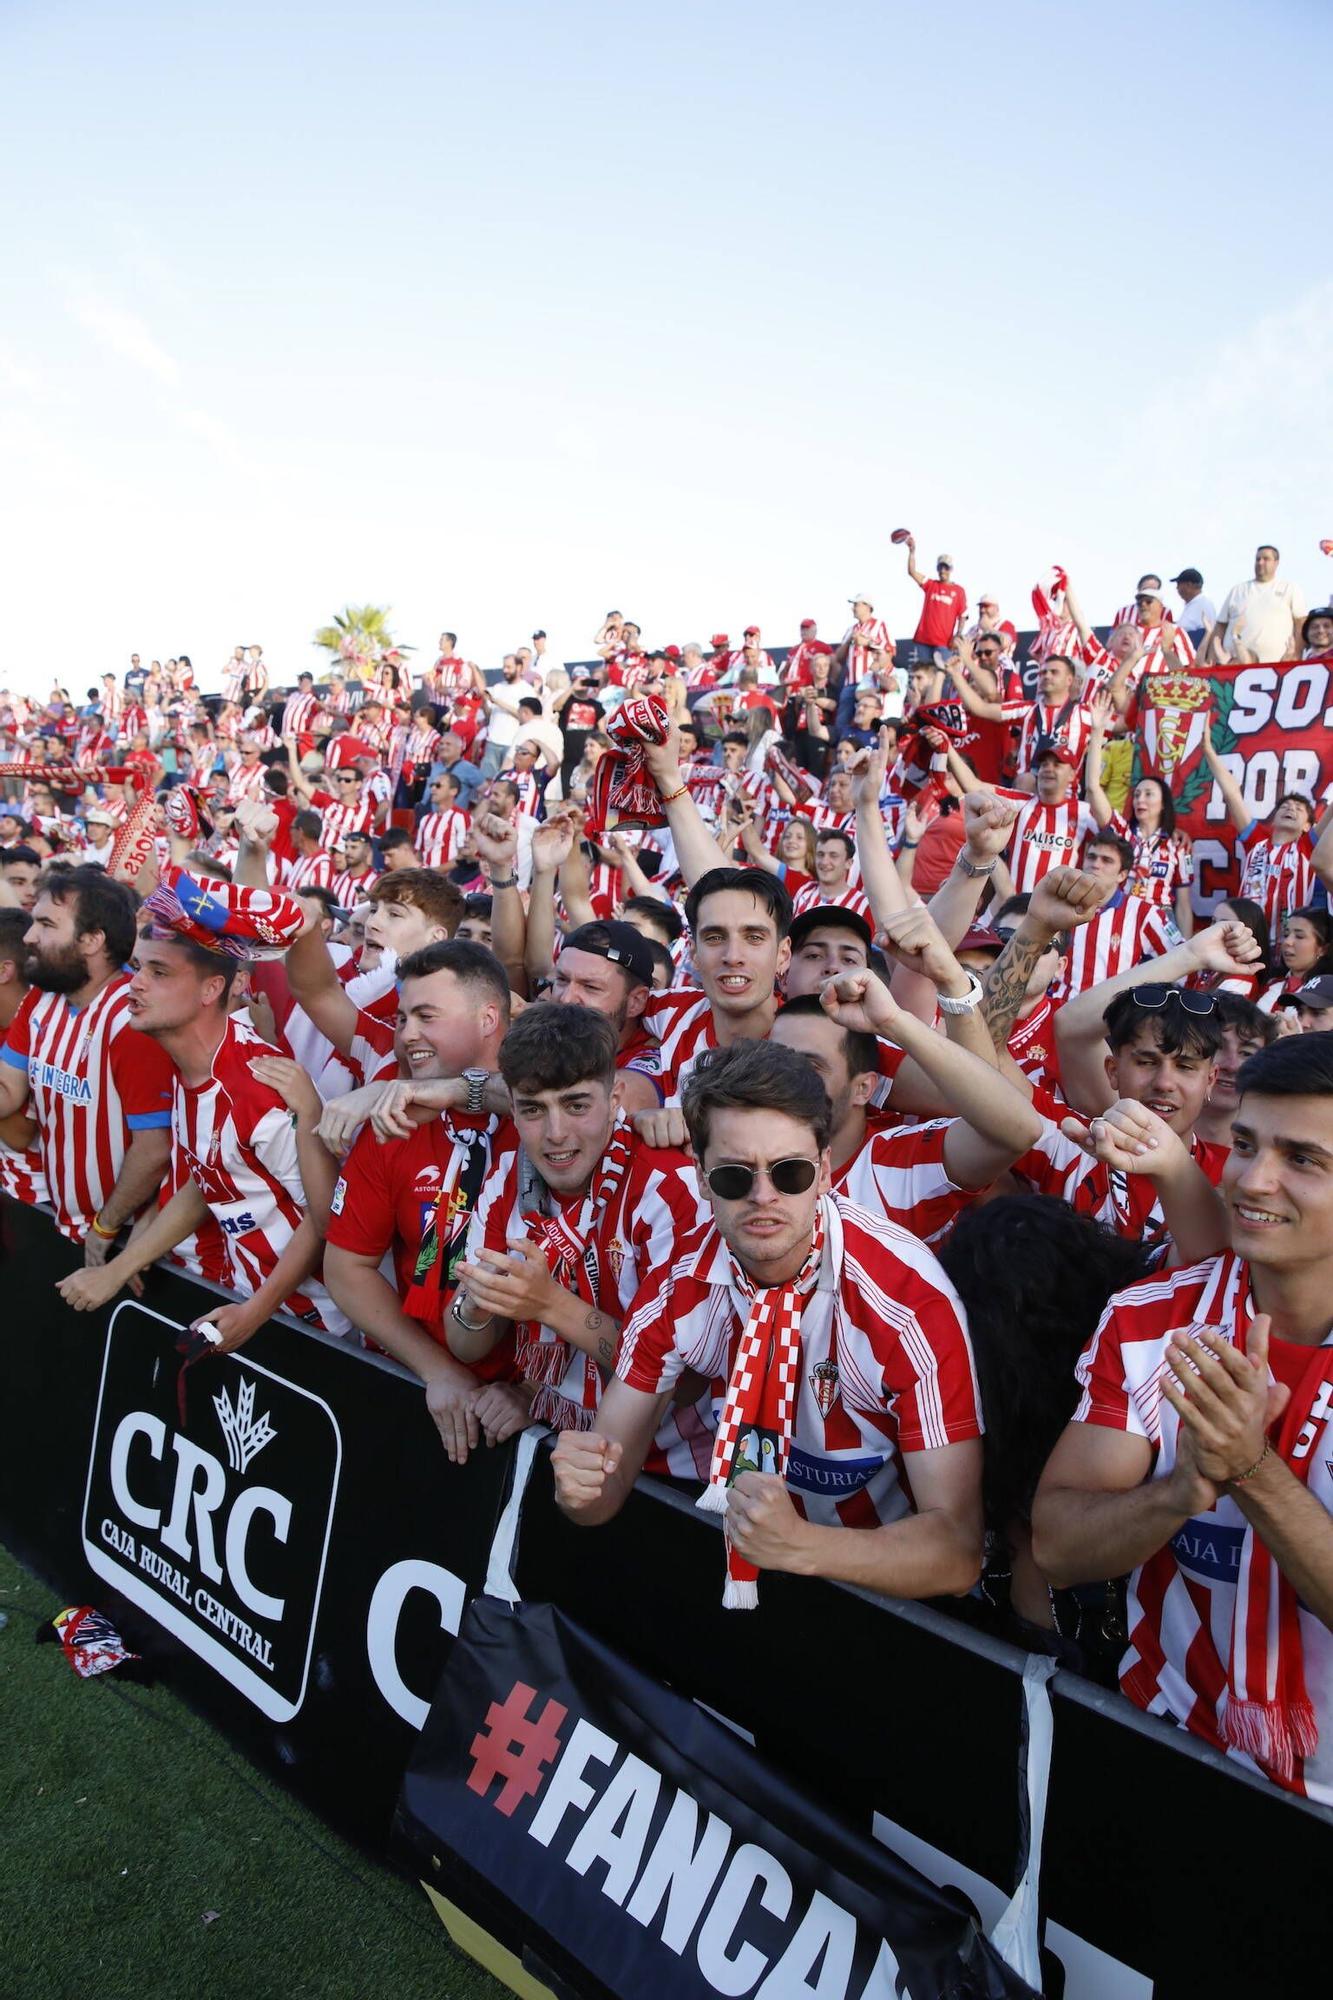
760	1407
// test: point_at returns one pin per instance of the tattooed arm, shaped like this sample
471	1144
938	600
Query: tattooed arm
1060	902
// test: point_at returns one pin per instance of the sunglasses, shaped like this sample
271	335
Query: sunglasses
1153	997
733	1183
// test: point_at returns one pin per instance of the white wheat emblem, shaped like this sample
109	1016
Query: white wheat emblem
246	1436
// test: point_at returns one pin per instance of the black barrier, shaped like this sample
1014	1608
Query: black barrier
296	1554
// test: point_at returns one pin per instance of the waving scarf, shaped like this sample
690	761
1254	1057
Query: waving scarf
620	783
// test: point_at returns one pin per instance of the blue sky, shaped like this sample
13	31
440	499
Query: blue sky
504	316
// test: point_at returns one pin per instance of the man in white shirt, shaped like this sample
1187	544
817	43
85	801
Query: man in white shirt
502	715
1261	618
1198	614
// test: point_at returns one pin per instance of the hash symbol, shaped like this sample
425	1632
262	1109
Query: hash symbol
512	1747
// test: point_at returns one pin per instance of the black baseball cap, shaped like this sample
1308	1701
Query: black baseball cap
1189	576
621	943
1316	993
829	917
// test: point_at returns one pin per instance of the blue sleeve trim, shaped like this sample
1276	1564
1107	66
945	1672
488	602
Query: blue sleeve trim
149	1121
15	1060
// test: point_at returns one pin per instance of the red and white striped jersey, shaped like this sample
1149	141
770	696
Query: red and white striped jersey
682	1020
378	789
440	835
373	1057
349	890
237	1141
1163	862
307	871
885	1360
654	1206
246	781
1049	719
1126	1203
1113	942
1183	1639
449	672
859	640
822	817
1279	879
1046	837
93	1083
1032	1041
298	714
410	748
22	1175
813	897
356	817
529	788
899	1173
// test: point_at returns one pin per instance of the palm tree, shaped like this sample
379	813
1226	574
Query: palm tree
359	638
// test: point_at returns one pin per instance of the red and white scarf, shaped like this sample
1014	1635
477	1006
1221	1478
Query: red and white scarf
566	1239
620	783
760	1400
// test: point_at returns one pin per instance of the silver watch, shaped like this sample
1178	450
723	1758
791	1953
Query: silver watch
966	1003
971	868
476	1080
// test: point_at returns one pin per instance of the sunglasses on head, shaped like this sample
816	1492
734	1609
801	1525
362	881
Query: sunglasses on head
734	1182
1161	996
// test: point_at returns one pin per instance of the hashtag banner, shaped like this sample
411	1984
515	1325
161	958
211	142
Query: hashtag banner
559	1794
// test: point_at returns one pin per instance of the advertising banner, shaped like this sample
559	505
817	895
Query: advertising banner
648	1846
1270	728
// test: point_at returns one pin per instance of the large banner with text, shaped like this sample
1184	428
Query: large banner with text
1270	728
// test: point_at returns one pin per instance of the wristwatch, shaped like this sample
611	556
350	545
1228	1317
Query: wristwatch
966	1003
971	867
476	1080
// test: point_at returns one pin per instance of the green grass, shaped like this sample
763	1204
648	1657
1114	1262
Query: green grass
125	1818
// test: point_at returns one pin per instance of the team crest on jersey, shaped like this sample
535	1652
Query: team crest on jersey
824	1384
615	1253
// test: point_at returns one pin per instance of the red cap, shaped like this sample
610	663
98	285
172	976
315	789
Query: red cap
672	652
751	632
1060	751
806	623
981	937
719	639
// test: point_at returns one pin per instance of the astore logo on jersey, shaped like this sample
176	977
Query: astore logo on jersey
218	1529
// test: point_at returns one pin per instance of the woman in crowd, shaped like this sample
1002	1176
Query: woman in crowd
1163	871
1305	951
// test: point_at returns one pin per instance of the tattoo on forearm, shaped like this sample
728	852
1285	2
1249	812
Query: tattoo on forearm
603	1331
1006	984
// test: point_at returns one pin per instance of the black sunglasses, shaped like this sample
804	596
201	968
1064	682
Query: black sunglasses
733	1183
1161	996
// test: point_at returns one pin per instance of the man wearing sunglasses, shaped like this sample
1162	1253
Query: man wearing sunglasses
576	1215
838	1345
1199	1457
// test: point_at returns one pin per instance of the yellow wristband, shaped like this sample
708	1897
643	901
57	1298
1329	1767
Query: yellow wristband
107	1235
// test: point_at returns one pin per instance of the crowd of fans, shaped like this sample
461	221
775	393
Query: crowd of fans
800	1073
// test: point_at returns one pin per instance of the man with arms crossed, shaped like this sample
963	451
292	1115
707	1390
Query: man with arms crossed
842	1347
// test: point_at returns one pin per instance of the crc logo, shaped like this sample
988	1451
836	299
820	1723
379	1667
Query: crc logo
219	1530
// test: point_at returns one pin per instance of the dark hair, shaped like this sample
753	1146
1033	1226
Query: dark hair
470	963
13	930
1292	1066
1271	550
395	836
755	1076
212	964
1299	799
452	637
553	1048
1235	1011
479	904
100	904
837	833
277	781
308	823
657	912
1058	660
1013	906
1321	923
860	1051
1252	915
737	736
324	897
661	957
1035	1277
1105	838
21	852
530	701
756	882
1168	825
1175	1030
